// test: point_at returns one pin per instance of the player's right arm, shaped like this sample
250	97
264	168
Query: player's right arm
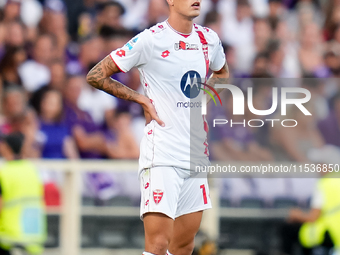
100	78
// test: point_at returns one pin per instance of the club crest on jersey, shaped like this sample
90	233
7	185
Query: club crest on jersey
185	46
157	196
191	84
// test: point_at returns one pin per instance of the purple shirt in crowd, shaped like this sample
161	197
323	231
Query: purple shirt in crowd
330	129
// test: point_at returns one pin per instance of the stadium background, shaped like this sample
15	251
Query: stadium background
48	46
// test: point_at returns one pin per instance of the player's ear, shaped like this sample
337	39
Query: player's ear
170	2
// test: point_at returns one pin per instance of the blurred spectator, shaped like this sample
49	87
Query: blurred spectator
262	34
136	13
125	145
15	34
12	10
9	64
20	118
109	14
238	32
57	141
54	22
90	52
295	144
261	65
58	75
98	104
310	53
330	126
22	216
213	20
134	109
35	73
113	38
158	11
90	139
235	141
319	227
86	27
276	9
332	62
332	19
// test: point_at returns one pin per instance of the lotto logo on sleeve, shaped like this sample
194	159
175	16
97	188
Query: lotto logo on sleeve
121	53
157	196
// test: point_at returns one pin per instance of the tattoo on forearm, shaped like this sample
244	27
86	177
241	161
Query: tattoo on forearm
99	77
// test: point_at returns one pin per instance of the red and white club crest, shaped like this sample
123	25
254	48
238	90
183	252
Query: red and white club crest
157	196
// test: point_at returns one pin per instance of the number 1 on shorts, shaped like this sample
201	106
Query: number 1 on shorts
204	194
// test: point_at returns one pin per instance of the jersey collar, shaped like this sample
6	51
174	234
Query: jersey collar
184	35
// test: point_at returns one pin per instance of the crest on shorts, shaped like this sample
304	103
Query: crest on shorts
157	196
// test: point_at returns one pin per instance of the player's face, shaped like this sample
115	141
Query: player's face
187	8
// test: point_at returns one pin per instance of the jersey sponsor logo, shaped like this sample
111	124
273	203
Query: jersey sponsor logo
157	196
131	43
150	132
146	185
191	84
185	46
147	202
165	54
121	53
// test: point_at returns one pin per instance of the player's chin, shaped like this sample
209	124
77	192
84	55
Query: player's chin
195	13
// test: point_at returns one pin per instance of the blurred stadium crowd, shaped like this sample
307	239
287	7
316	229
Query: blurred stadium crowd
48	46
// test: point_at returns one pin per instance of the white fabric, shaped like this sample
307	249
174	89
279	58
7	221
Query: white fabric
171	191
317	201
271	188
136	12
34	75
303	188
31	12
148	253
182	142
96	103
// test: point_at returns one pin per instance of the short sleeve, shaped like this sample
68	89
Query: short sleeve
135	53
218	57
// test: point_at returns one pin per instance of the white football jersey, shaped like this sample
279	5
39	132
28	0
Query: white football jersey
172	66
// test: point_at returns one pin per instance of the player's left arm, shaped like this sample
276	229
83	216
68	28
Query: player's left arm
219	77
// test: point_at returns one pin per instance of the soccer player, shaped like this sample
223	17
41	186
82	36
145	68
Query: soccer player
173	58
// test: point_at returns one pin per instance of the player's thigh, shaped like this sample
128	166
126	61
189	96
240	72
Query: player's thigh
184	231
194	196
160	189
158	232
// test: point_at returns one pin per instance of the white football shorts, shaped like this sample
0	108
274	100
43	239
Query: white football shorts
172	191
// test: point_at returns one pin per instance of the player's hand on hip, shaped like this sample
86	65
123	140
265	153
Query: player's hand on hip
150	111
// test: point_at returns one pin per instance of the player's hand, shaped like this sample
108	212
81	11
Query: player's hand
150	111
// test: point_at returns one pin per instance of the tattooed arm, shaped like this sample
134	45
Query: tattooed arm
100	78
219	77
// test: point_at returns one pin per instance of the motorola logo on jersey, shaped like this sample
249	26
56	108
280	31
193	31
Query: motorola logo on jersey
191	84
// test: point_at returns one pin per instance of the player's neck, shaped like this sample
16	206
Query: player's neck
180	24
